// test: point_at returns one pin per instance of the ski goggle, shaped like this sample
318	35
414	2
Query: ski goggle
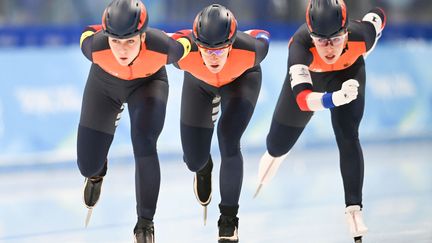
334	41
217	52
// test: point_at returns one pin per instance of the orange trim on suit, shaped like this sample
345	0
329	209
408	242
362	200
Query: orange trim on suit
237	63
147	63
354	50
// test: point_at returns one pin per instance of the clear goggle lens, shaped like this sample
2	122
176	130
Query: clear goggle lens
334	41
217	52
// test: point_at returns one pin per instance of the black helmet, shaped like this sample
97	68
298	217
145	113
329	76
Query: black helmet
214	27
326	18
124	18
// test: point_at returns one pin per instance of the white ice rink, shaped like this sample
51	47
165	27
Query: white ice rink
303	204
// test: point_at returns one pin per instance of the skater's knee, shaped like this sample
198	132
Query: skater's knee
229	143
277	149
89	168
88	173
91	164
346	131
282	138
194	167
347	135
195	162
229	149
144	134
347	141
144	145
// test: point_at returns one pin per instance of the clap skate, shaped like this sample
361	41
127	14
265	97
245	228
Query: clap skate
228	229
354	217
92	190
144	231
203	186
268	167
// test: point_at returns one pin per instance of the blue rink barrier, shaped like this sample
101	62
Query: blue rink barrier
41	91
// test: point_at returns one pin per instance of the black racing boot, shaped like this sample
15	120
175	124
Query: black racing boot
228	229
92	191
203	186
144	231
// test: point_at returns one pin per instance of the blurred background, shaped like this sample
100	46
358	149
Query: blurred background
43	74
57	22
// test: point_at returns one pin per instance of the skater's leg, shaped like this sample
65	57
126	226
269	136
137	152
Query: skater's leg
287	124
147	106
92	151
97	126
196	125
346	121
95	133
196	128
196	143
238	100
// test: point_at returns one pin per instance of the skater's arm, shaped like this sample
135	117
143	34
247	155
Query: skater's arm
308	100
374	21
182	37
298	70
261	43
87	39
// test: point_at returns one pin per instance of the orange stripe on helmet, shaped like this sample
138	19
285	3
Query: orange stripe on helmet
104	19
307	16
344	12
143	16
232	27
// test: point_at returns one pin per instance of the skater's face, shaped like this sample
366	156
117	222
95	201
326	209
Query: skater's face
330	49
126	50
215	59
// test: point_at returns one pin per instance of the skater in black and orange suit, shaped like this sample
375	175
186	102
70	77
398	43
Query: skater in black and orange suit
223	68
128	66
326	70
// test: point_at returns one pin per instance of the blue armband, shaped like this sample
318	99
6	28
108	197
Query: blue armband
327	100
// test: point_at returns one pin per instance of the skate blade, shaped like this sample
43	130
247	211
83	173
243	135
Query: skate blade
89	214
266	177
358	239
205	215
258	190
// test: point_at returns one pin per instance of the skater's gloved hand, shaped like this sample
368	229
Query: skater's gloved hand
347	93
